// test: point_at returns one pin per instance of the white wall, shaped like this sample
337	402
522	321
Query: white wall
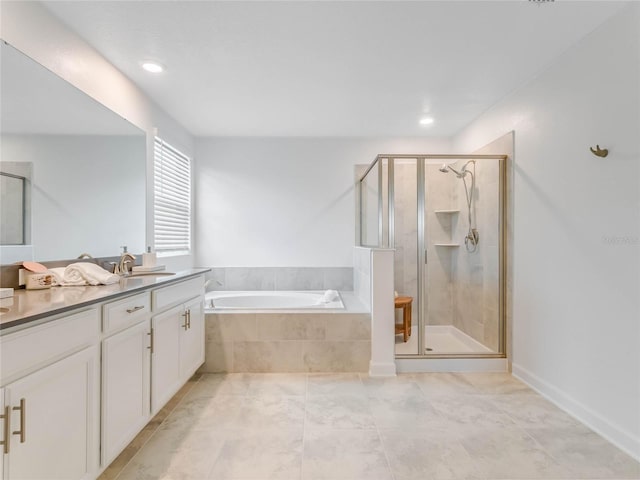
283	201
576	307
30	28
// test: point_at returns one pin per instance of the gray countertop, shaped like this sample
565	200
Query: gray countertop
27	306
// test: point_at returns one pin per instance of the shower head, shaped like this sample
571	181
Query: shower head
445	169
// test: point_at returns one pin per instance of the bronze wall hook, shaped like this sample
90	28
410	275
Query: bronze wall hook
599	152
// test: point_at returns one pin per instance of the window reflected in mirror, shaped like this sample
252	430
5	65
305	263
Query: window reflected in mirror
15	203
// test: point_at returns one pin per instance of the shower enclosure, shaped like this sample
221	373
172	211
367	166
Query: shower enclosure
444	215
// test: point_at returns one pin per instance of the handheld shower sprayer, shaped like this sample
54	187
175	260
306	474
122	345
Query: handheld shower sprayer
472	238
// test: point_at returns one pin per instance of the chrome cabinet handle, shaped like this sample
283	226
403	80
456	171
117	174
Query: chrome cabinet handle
135	309
6	430
23	420
186	320
150	347
189	318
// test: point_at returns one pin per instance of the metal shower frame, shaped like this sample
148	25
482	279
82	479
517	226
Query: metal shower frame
422	257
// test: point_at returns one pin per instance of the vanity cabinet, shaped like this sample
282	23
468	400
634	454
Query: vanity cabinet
126	372
178	338
52	399
79	386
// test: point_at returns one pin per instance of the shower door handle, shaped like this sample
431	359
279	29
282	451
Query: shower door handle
425	256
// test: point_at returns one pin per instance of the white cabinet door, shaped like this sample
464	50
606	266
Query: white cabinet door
165	356
58	420
192	339
126	378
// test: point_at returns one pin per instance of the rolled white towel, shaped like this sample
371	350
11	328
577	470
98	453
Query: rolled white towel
90	273
59	281
330	296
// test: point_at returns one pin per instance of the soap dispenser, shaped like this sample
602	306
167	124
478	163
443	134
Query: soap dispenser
149	259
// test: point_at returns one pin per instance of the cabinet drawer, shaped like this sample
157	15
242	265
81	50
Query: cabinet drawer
174	294
126	312
36	347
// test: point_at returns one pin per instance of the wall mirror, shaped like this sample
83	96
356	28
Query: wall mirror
83	169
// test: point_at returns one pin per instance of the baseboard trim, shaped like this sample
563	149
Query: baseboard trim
625	441
382	369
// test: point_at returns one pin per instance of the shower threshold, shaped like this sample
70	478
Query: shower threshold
441	339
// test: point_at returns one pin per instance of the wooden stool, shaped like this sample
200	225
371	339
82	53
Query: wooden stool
405	327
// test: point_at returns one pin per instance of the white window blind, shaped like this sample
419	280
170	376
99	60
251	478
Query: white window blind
172	199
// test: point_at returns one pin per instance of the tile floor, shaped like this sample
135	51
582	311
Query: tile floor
352	427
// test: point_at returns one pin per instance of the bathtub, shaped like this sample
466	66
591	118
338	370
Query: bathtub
269	300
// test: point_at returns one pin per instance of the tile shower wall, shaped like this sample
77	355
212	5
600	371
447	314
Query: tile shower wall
440	199
280	278
476	278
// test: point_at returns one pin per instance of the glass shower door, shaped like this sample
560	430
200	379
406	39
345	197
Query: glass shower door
404	194
463	241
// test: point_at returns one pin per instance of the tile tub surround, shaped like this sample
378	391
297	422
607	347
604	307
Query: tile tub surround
280	278
349	426
287	342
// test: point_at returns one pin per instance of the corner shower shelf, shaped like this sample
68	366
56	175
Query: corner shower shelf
446	245
446	211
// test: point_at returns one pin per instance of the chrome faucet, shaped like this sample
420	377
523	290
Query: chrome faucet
122	267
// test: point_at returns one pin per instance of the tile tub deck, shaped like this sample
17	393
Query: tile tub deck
289	341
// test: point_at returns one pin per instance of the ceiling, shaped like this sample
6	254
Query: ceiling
331	68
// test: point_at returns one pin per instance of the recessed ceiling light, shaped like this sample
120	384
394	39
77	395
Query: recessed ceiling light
153	67
426	121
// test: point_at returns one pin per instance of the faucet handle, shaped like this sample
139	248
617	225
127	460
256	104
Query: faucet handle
125	267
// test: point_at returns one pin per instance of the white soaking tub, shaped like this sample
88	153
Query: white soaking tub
271	300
